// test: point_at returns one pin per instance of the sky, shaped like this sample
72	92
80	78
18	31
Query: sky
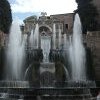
21	9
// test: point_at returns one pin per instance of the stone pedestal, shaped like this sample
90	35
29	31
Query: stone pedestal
47	74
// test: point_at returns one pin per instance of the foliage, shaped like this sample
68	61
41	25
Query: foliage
80	2
2	61
5	16
87	12
89	64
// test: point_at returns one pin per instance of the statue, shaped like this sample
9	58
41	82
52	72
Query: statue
43	13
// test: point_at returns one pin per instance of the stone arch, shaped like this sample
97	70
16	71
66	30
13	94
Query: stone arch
45	28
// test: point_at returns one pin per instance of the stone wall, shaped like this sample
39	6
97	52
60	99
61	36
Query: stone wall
2	38
93	42
68	21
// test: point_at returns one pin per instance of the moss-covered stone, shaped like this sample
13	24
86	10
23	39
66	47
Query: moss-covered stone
60	72
32	74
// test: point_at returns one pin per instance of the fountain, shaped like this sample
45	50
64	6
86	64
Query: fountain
31	39
60	37
78	52
36	37
15	53
15	59
54	37
47	68
45	46
46	78
65	42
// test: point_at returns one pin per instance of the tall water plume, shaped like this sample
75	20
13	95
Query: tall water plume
31	39
59	37
36	36
15	53
77	52
65	41
54	36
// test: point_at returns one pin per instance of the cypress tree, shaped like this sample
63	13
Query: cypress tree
5	16
87	12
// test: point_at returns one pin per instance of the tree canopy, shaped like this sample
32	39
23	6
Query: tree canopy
5	16
87	12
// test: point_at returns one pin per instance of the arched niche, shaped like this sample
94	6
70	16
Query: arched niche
45	30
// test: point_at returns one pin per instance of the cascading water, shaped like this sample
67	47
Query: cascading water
54	36
77	52
15	53
59	37
65	42
67	73
45	46
31	39
36	37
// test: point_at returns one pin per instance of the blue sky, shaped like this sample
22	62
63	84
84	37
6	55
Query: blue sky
24	8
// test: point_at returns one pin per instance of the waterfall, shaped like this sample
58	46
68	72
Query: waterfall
15	52
54	36
77	52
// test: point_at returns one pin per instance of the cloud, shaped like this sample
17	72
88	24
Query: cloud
49	6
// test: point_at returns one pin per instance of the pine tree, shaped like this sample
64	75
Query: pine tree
5	16
88	13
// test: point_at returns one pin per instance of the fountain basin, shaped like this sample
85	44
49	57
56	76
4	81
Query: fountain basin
47	93
14	84
47	74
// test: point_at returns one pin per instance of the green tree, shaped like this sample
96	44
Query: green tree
5	16
87	12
